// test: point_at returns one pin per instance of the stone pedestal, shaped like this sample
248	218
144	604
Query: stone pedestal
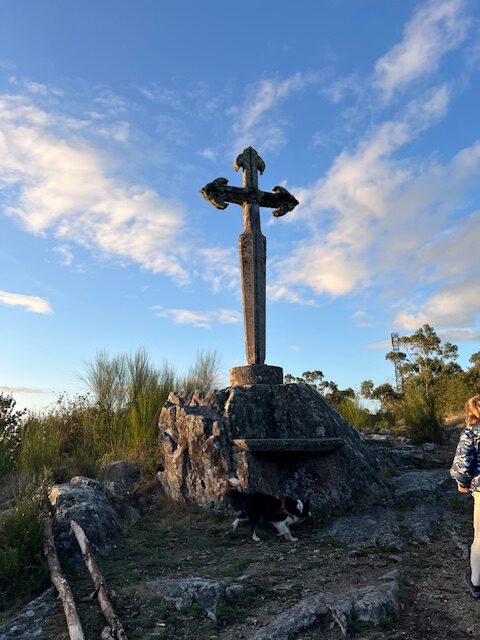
281	439
255	374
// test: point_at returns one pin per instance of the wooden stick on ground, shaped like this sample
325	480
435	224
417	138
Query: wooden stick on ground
64	591
98	582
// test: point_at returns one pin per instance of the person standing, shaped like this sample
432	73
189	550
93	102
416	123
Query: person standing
466	472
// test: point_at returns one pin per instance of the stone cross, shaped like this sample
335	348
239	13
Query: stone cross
251	243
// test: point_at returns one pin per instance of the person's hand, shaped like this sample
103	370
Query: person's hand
462	489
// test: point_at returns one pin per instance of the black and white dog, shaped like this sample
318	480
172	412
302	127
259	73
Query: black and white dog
254	507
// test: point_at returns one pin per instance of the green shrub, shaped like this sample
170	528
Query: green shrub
418	416
40	443
23	569
354	413
10	422
452	392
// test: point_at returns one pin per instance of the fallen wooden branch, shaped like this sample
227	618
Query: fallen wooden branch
75	630
117	630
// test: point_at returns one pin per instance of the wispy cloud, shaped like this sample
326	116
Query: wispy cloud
36	88
437	27
379	219
64	189
201	319
65	255
252	126
26	390
34	304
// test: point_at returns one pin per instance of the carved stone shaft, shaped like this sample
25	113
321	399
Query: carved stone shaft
252	247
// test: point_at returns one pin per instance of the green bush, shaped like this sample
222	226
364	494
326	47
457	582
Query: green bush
452	392
10	422
354	413
40	443
23	569
418	416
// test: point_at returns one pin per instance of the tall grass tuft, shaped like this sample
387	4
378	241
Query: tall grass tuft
204	374
128	393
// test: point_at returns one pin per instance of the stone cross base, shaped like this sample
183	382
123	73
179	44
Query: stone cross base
280	439
255	374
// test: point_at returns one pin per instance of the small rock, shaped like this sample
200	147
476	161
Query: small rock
29	624
184	592
233	591
374	527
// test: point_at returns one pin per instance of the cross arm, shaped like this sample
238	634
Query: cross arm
220	194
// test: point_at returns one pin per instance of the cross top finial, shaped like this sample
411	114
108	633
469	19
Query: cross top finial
250	162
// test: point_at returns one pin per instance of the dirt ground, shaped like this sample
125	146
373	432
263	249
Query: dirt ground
180	541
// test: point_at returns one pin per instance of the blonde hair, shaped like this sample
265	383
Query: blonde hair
472	409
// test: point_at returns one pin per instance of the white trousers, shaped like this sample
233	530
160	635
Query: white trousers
475	548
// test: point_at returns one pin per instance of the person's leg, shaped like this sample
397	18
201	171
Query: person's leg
475	548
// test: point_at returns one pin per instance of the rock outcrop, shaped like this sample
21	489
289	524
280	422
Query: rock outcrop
29	623
85	501
197	433
370	604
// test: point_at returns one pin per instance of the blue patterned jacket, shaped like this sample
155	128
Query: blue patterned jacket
466	463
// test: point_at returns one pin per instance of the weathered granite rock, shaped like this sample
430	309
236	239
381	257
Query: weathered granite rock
184	592
86	503
29	623
370	604
121	479
421	521
407	456
196	436
395	452
123	472
372	528
421	486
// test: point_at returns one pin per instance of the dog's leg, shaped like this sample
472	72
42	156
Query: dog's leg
237	521
283	530
254	520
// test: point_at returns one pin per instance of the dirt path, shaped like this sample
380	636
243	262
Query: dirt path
181	542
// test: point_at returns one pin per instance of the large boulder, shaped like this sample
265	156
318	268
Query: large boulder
85	501
197	433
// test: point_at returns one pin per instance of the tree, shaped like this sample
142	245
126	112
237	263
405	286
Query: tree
314	379
424	358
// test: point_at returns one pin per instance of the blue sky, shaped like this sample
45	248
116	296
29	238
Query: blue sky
114	114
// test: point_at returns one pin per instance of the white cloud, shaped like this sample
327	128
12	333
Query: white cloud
453	305
252	127
437	27
65	255
27	390
220	268
201	319
377	218
276	292
384	345
34	304
35	87
209	154
64	189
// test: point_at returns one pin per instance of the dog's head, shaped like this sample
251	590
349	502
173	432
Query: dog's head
302	510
